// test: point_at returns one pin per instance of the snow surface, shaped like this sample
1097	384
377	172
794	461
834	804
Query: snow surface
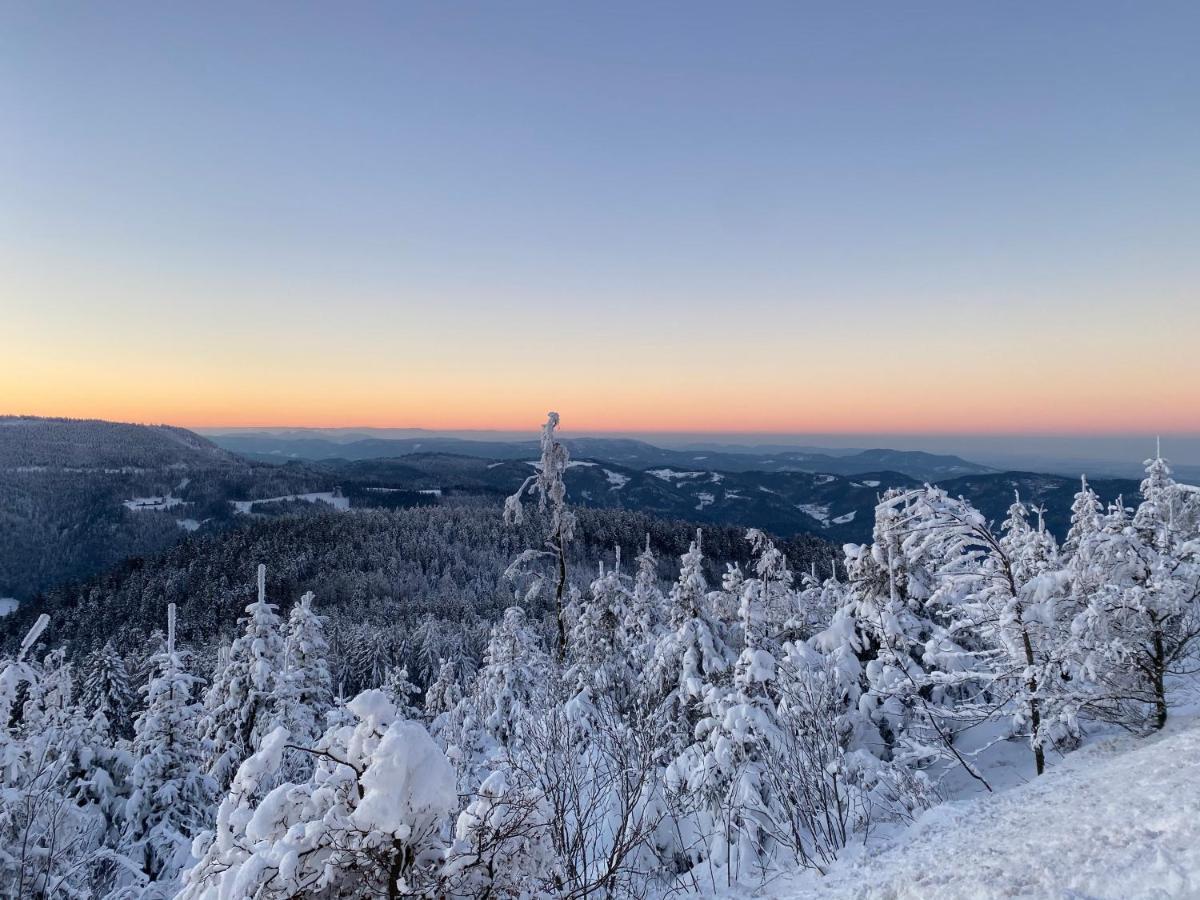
865	483
818	511
571	464
672	474
843	519
339	503
8	605
616	479
140	504
705	499
188	524
1114	820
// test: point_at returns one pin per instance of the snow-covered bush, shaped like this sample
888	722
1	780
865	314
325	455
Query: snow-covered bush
368	821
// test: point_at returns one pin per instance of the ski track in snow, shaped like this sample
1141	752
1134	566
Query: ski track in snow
1115	821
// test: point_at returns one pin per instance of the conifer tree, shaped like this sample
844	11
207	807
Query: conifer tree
306	689
169	795
1141	621
242	704
444	694
690	657
405	695
106	689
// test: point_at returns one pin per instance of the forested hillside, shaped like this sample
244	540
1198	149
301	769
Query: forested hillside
404	586
33	442
459	702
834	507
80	496
77	496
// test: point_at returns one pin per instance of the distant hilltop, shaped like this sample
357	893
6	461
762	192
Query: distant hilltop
34	442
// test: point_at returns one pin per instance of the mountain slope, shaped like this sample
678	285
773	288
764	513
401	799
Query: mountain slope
27	441
1117	820
625	452
836	507
77	496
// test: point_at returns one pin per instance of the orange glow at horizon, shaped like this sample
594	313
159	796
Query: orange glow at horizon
226	400
247	359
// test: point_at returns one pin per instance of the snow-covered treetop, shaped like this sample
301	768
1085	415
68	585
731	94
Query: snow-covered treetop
548	485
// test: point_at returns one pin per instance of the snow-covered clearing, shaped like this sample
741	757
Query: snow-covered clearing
672	474
188	524
818	511
1114	820
341	504
616	479
141	504
705	499
844	518
8	605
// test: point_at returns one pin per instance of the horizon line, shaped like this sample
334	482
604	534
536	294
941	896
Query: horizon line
567	428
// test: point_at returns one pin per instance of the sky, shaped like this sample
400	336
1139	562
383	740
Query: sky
953	218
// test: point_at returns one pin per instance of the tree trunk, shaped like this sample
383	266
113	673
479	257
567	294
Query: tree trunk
1035	712
1160	687
558	599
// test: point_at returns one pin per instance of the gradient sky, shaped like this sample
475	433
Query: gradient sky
952	217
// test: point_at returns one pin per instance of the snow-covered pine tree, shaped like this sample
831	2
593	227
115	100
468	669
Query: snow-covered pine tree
60	780
169	796
306	690
600	646
551	491
891	636
690	657
444	693
726	768
646	606
405	695
106	689
242	704
1087	517
1141	620
513	679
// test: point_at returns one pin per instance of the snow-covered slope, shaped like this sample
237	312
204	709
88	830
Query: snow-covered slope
1117	820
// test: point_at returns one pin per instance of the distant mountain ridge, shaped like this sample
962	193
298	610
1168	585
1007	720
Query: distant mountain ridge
623	451
836	507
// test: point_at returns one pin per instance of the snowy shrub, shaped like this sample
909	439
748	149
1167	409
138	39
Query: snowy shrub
367	822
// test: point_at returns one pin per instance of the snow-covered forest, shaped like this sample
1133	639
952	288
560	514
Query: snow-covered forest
615	734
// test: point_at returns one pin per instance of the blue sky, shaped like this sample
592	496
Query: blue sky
347	208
